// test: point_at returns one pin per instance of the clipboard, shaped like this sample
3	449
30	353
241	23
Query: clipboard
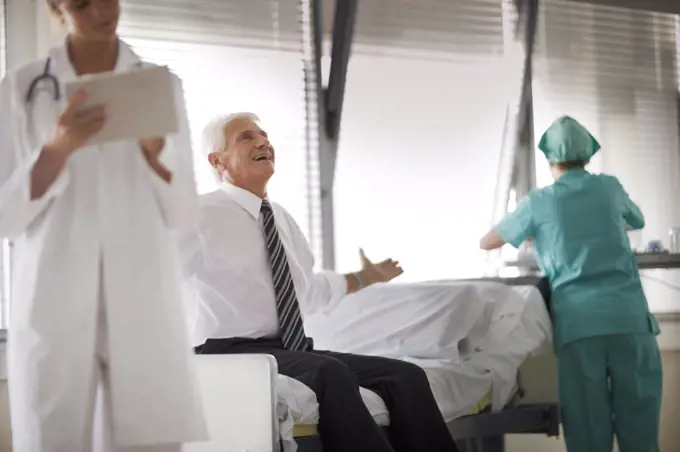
139	103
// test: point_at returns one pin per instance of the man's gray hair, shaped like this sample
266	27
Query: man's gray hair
213	139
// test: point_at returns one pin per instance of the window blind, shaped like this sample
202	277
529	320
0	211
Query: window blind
312	119
430	28
421	135
615	70
3	39
239	55
4	244
267	24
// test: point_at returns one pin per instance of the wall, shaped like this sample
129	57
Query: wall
34	31
22	35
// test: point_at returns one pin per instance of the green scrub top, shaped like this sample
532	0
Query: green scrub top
578	226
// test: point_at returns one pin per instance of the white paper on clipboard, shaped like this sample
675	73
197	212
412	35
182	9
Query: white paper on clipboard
139	104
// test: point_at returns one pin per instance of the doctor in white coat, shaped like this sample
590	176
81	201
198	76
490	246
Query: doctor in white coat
96	292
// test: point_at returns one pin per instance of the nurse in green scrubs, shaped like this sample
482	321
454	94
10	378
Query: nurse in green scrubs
610	375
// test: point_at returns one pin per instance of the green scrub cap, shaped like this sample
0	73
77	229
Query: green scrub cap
568	141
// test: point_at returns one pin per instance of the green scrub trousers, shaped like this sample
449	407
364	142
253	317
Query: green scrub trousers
611	385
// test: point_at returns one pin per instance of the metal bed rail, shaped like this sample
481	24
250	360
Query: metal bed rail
486	432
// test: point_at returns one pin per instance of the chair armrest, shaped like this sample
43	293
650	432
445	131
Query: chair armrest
239	400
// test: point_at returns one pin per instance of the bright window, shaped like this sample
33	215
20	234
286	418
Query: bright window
234	56
421	136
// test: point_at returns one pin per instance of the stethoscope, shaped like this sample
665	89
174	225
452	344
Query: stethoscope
34	89
45	76
27	121
52	79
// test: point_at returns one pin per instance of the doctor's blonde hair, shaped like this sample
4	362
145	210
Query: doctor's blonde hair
213	138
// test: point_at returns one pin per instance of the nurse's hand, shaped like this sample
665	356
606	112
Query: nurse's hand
75	126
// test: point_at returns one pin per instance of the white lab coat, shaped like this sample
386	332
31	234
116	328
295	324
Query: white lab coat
107	214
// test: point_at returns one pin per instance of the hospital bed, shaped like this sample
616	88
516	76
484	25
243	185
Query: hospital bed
238	404
534	410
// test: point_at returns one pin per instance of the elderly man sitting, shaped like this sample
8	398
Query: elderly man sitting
250	273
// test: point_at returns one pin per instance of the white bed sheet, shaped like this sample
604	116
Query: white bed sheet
297	405
454	390
520	327
301	402
427	320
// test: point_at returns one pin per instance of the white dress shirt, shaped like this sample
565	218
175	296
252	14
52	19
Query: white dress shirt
228	280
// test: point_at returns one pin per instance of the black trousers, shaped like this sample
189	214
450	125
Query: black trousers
345	424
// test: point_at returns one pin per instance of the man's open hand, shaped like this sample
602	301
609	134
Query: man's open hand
384	271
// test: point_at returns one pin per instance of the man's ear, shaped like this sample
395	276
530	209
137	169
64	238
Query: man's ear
213	158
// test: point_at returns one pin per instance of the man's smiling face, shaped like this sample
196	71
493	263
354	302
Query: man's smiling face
248	157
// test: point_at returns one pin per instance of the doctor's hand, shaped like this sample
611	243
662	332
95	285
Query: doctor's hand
152	148
75	127
372	273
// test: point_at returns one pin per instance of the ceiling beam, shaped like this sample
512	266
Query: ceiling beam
334	21
343	31
328	17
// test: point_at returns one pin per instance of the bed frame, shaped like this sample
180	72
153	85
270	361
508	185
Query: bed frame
485	432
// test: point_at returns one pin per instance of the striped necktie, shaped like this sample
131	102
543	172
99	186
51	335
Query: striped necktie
287	306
